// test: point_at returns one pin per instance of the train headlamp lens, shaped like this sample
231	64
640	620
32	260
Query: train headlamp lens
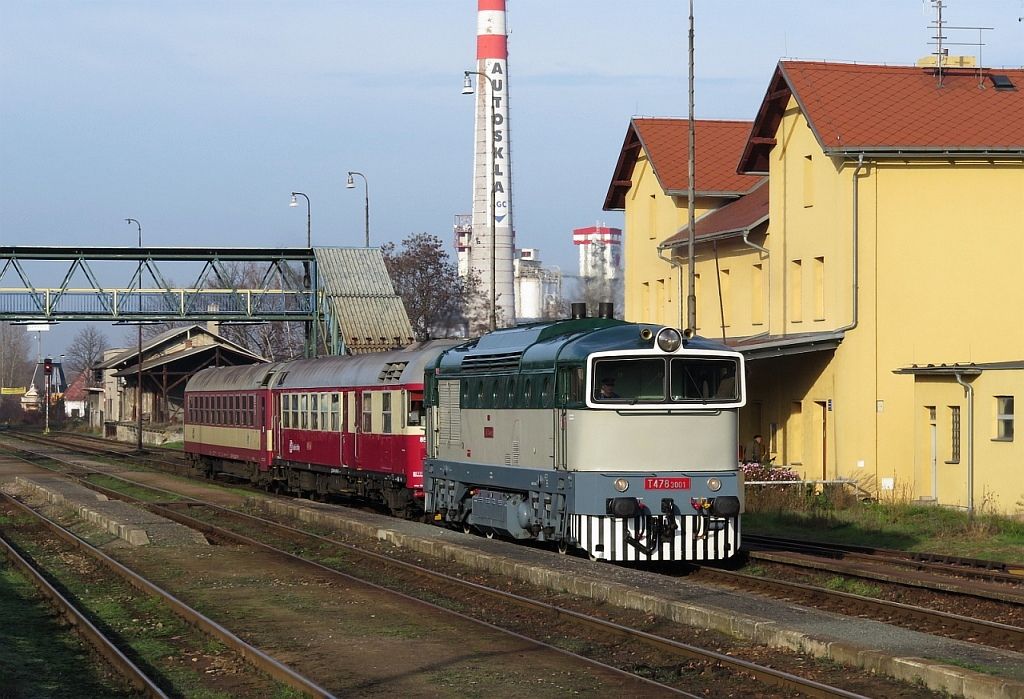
669	339
714	485
621	485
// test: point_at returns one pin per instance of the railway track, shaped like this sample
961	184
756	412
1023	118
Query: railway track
1005	600
77	619
45	533
952	566
965	628
280	540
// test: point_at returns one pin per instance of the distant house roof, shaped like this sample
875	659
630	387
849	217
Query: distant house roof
735	218
879	110
77	389
718	145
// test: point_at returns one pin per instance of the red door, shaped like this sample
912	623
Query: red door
261	417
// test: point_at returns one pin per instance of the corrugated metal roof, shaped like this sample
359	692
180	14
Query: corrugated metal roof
359	295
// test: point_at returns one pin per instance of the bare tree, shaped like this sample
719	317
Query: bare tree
85	351
428	281
15	362
273	340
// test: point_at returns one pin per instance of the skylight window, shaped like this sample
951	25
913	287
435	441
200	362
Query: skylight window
1002	82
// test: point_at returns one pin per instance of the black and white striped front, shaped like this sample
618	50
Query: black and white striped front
630	539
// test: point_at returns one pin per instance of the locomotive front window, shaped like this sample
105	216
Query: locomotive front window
704	379
629	381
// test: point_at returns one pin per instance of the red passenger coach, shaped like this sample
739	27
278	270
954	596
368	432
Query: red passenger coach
345	425
227	411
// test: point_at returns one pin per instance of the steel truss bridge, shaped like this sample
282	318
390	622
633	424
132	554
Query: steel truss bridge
48	284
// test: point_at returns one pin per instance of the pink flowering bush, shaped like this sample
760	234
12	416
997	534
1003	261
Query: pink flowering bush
754	471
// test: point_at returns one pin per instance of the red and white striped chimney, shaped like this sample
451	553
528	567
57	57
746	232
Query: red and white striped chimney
492	178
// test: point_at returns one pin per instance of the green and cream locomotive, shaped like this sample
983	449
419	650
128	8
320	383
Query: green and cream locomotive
617	438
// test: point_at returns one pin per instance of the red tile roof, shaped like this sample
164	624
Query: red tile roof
736	217
876	109
718	146
76	391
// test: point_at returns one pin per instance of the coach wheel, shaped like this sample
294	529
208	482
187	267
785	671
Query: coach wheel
563	546
467	528
489	533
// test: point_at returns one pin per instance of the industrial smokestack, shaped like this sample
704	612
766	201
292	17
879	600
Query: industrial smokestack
578	310
492	243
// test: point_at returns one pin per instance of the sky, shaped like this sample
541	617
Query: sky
200	117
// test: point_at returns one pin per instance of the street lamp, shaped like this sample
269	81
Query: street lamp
351	184
309	220
305	263
138	366
467	89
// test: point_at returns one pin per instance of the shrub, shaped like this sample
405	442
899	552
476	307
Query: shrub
754	471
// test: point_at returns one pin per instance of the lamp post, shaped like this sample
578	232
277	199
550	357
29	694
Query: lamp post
309	220
305	263
350	184
138	366
467	89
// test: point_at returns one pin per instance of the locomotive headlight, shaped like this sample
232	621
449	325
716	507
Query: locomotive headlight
621	485
714	485
669	339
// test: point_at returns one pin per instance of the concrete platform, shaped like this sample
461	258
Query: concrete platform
871	645
131	524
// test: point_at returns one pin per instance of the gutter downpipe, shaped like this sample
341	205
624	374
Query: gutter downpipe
767	253
969	393
679	282
856	236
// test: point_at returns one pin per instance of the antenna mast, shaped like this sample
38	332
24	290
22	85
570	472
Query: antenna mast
941	52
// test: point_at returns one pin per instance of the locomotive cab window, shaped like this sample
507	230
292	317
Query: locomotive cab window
629	380
703	379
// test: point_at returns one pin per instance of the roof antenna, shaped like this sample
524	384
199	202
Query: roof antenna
941	52
937	38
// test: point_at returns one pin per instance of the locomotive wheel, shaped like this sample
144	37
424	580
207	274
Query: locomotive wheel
467	528
563	546
489	533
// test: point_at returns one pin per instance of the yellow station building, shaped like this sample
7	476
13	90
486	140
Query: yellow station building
862	242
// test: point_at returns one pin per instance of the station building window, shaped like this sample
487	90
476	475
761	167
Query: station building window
1004	418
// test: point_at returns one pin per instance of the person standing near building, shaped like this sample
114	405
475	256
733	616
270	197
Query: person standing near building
758	450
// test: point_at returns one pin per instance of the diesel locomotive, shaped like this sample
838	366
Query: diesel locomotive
613	437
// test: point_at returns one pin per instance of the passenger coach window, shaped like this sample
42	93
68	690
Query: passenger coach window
367	411
416	411
385	407
703	379
303	411
314	411
335	412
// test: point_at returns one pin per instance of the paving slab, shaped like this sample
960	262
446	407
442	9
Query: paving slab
134	525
